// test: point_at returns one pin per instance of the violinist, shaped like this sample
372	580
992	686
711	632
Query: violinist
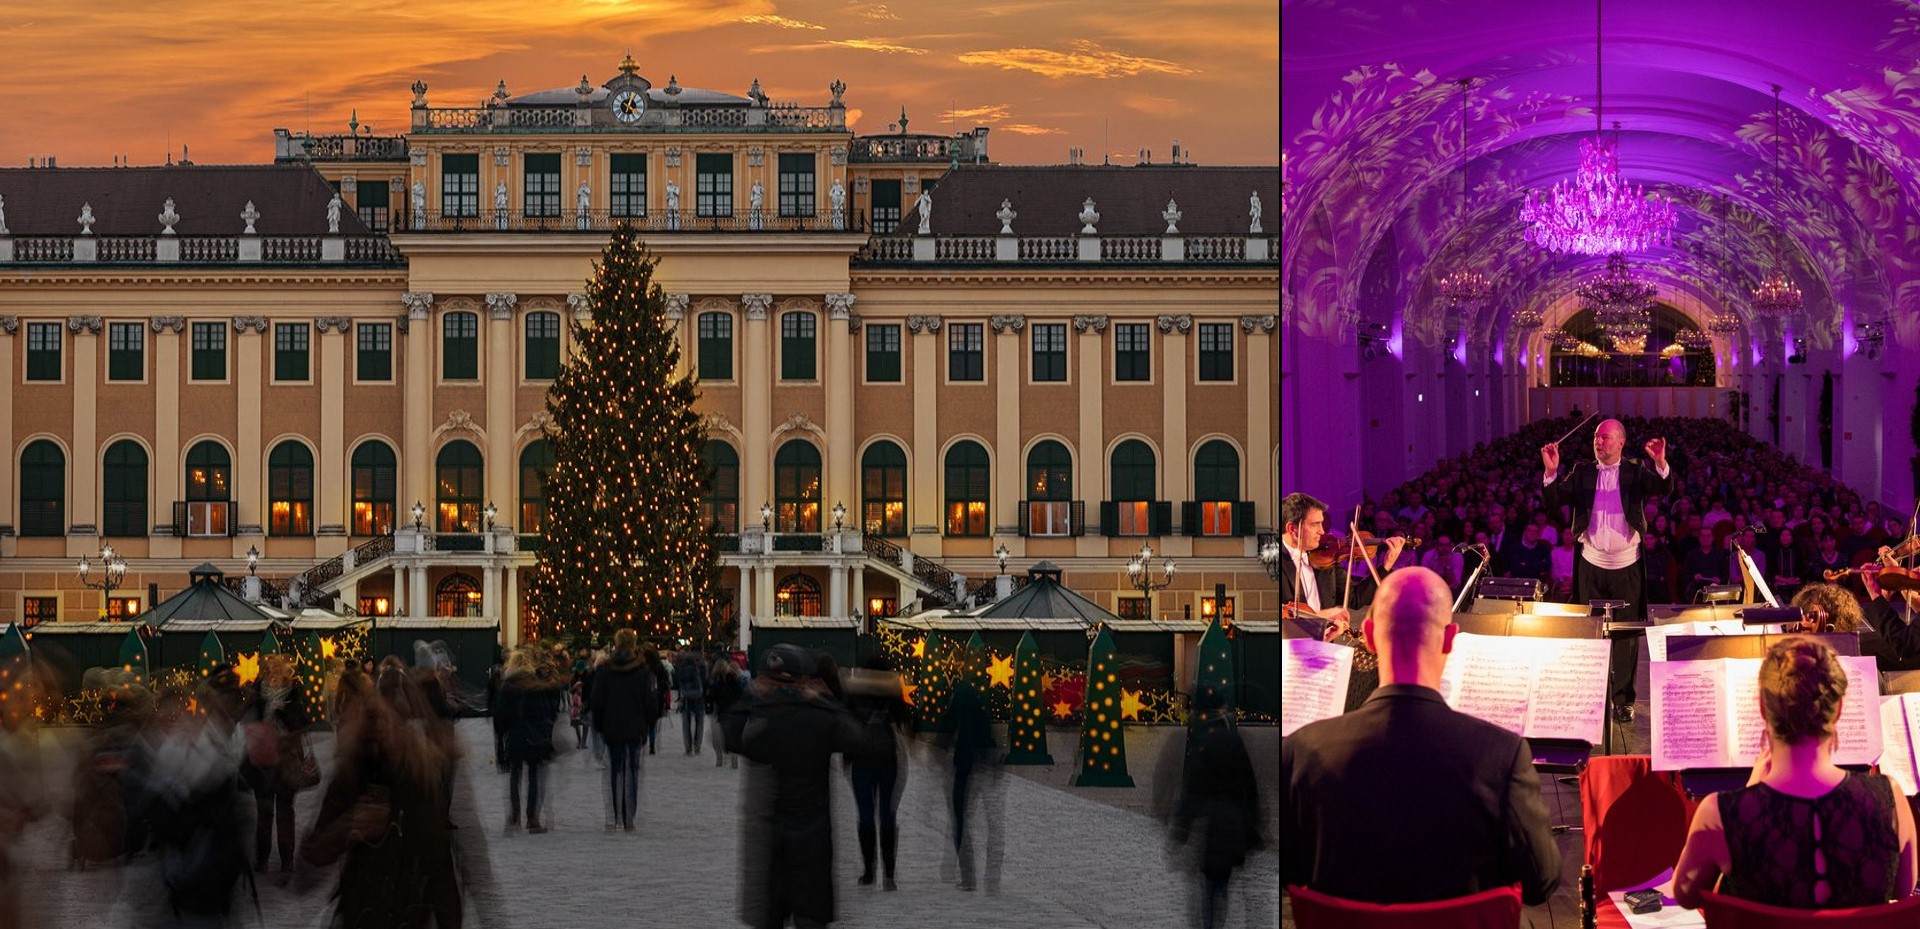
1303	522
1608	495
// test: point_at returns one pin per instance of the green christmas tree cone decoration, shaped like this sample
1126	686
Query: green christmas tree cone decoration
934	680
626	544
1216	664
133	653
13	643
974	663
1027	726
269	644
1103	746
310	674
212	654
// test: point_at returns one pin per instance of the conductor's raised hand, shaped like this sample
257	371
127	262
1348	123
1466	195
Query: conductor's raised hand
1550	456
1657	450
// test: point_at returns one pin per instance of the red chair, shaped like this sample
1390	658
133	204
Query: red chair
1489	909
1634	820
1735	913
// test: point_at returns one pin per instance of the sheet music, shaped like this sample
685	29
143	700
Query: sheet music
1746	729
1313	681
1896	755
1569	690
1496	674
1657	634
1688	730
1858	727
1754	574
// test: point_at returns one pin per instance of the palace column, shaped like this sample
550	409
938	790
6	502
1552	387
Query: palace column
923	527
500	378
756	404
83	501
1009	470
840	487
333	519
9	326
1177	469
416	470
168	479
1089	464
249	456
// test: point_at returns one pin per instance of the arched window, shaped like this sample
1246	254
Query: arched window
458	473
1216	487
883	490
123	485
1049	490
967	478
375	488
543	345
43	489
1132	480
209	490
457	595
796	488
797	595
720	508
536	462
290	490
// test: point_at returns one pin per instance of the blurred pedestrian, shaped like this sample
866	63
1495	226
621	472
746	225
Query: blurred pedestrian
529	706
276	765
662	696
1217	815
690	688
879	780
192	801
625	706
975	781
724	688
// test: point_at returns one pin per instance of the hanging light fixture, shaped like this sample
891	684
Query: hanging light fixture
1464	287
1619	303
1692	339
1777	296
1527	319
1598	212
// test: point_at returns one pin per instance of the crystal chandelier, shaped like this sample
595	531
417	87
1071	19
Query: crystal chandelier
1527	320
1616	288
1465	286
1777	296
1564	340
1598	212
1693	340
1724	323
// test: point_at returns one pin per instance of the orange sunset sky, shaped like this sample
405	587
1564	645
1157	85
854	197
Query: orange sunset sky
86	81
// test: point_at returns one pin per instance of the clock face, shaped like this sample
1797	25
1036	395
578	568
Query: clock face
629	106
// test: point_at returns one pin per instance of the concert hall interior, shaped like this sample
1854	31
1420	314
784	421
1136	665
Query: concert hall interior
1607	314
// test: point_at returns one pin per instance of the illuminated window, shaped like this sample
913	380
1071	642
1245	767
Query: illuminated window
797	595
883	490
290	490
796	488
458	474
121	609
1133	487
209	489
457	595
967	481
375	479
720	508
1216	484
1049	490
1131	608
37	610
375	606
1207	607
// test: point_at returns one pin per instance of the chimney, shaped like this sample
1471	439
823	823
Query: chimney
50	162
1176	151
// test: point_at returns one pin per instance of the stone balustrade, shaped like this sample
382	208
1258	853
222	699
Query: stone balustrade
198	249
1015	249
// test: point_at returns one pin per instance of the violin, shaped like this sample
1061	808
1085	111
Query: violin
1337	549
1891	578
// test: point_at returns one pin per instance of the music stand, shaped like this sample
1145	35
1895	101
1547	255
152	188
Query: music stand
1550	756
1702	781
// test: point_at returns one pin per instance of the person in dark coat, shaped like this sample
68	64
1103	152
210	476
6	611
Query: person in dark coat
1218	811
529	705
974	772
381	813
662	691
690	688
878	780
725	685
624	706
191	800
789	728
276	721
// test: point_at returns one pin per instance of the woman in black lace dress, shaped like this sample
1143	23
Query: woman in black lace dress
1803	833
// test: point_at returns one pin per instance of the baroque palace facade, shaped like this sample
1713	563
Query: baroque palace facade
910	358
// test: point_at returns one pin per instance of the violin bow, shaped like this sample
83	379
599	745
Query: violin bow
1346	596
1354	533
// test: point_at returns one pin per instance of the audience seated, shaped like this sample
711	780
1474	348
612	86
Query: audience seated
1803	833
1404	799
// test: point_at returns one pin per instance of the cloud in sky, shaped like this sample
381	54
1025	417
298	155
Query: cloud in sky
771	19
1082	59
876	11
990	112
877	45
1027	129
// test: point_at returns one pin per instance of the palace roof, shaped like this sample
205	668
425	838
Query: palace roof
291	200
1130	200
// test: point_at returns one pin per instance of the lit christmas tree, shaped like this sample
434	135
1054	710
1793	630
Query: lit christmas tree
1216	663
625	545
1027	727
1103	747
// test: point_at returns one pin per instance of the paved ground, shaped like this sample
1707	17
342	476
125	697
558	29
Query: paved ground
1069	861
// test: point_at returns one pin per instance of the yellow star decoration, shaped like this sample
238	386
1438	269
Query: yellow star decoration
248	668
1130	704
906	692
327	648
1000	671
1062	709
919	648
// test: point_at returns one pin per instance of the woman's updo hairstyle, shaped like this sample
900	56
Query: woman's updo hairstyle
1801	685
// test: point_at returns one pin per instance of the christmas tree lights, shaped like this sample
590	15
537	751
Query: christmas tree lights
1027	726
1103	747
1216	663
625	543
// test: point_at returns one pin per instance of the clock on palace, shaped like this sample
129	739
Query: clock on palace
629	106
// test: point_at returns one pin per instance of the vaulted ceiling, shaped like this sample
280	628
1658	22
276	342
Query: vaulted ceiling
1373	165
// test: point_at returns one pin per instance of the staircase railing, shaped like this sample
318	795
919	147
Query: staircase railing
308	582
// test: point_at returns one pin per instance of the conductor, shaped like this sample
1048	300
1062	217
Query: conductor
1608	496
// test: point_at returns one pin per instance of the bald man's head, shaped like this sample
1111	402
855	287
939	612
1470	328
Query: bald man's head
1609	440
1411	626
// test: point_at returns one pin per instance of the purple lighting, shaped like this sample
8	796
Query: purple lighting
1598	212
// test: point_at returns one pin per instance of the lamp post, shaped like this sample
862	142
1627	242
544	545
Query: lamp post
1000	554
1270	556
253	560
1140	572
766	516
839	515
113	569
419	515
490	512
